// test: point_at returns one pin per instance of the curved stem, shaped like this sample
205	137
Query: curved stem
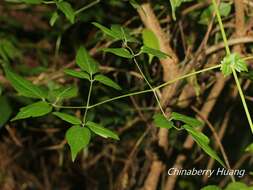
243	99
216	9
88	101
139	92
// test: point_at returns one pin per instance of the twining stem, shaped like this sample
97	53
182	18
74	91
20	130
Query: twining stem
87	6
150	86
223	33
233	69
88	101
140	92
243	100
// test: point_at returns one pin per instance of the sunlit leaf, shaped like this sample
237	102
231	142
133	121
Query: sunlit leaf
150	40
67	10
69	118
186	119
107	81
211	187
33	110
101	131
77	74
122	52
86	62
161	122
23	86
78	138
154	52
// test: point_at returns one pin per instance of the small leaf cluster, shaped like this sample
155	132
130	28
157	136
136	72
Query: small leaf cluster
78	136
233	61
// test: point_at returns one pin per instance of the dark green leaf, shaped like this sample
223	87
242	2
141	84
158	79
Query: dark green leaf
206	15
186	119
33	110
106	30
69	118
78	138
5	110
122	52
53	18
211	187
67	9
122	33
162	122
23	86
236	186
8	50
86	62
249	148
101	131
32	1
78	74
154	52
203	141
107	81
65	92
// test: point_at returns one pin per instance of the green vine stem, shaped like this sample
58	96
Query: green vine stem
140	92
216	9
88	101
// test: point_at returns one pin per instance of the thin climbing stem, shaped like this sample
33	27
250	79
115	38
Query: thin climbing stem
145	78
88	101
87	7
216	9
150	86
139	92
233	69
243	100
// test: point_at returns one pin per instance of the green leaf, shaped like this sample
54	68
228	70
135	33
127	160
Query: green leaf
107	81
5	110
36	2
53	18
101	131
197	133
122	33
106	30
233	61
249	148
23	86
78	138
162	122
33	110
154	52
65	92
67	10
86	62
203	141
150	40
77	74
236	186
135	4
8	50
186	119
206	15
69	118
122	52
211	187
